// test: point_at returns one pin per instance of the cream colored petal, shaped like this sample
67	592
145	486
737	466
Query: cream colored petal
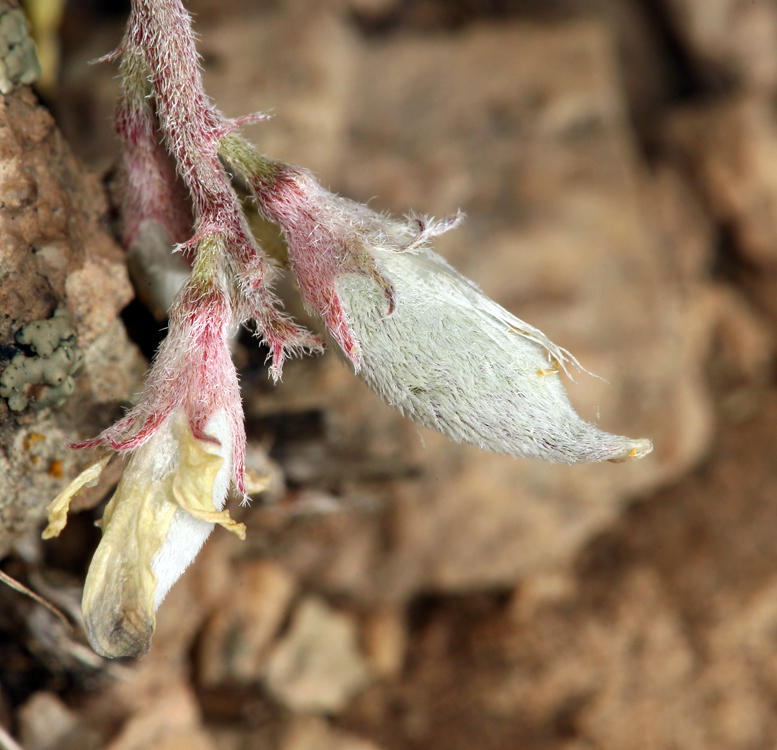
193	483
118	602
58	509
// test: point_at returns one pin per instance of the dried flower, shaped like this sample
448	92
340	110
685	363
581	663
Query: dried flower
168	501
170	497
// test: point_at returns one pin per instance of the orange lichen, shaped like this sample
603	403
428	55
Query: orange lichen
31	439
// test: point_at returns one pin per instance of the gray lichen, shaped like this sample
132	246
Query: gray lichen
18	59
55	362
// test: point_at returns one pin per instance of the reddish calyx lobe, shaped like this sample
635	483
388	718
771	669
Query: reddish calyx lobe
152	190
193	371
320	251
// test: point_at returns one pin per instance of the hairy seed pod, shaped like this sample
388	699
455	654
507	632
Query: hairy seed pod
424	337
455	361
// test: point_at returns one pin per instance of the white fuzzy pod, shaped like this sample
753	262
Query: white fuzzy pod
453	360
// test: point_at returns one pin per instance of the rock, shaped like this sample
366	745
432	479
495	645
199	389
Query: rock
660	635
317	667
743	658
762	287
745	340
729	41
185	739
641	52
296	62
91	295
686	230
113	365
713	574
235	640
311	733
604	670
5	712
85	96
55	254
637	36
35	461
644	618
374	11
729	147
46	723
540	591
170	723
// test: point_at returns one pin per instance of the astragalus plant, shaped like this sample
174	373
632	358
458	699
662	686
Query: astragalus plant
420	334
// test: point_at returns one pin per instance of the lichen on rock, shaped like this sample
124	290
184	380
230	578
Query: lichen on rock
56	360
18	59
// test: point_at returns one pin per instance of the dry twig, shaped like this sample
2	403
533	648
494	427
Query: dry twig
22	589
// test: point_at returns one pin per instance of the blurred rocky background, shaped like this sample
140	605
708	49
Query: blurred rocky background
617	161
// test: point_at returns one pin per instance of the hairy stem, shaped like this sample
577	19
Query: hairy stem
159	45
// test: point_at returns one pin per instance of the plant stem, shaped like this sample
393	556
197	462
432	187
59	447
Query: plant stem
159	45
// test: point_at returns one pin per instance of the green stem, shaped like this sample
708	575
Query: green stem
247	161
210	252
